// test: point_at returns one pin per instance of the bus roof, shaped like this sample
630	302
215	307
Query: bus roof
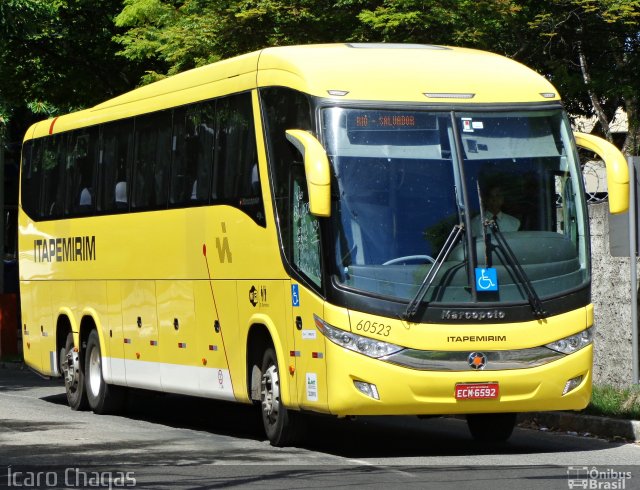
365	72
403	73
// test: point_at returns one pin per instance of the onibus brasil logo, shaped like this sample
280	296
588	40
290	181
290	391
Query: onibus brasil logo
595	478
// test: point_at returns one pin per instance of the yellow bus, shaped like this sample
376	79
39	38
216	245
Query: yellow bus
349	229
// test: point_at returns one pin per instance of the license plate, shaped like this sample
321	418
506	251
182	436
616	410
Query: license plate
476	391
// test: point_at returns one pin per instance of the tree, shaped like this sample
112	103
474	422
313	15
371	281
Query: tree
590	50
64	54
189	33
60	55
483	24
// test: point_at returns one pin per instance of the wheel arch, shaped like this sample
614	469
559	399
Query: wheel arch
65	324
262	334
89	321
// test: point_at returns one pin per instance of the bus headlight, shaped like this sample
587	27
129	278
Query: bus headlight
573	343
357	343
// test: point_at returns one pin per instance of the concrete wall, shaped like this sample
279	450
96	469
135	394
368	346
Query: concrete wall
611	296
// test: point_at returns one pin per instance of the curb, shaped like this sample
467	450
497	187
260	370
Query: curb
584	424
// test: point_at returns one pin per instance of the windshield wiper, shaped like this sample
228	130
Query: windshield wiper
509	257
483	222
452	239
512	261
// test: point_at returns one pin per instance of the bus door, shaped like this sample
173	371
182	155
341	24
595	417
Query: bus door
140	334
309	343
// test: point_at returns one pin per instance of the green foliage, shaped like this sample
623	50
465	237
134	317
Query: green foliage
5	114
590	50
73	53
149	22
615	402
470	23
587	48
60	54
44	108
189	33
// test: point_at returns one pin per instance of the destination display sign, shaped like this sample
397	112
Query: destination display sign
390	120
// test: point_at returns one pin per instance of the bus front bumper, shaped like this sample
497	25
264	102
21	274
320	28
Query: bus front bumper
404	391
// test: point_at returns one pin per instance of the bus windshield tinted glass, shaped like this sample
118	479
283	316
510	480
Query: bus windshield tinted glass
398	193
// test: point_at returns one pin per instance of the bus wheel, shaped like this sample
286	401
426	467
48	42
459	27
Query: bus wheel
102	398
282	426
491	427
73	375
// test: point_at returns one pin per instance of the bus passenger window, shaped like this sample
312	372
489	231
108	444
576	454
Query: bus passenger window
193	141
113	166
180	174
53	176
284	109
152	157
81	165
237	179
31	152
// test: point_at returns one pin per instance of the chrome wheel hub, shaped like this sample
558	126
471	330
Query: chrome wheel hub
270	393
71	368
94	368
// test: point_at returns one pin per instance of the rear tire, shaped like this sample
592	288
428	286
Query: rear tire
282	427
102	397
73	374
491	427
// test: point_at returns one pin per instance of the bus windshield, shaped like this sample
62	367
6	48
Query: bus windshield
405	178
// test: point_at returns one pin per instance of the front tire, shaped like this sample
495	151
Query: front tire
491	427
102	397
73	374
281	426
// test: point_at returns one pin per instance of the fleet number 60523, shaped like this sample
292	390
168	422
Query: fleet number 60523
374	328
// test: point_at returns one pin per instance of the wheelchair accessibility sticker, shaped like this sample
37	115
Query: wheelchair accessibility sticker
295	295
486	279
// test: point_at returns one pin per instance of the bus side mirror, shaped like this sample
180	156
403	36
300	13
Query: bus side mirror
316	168
617	170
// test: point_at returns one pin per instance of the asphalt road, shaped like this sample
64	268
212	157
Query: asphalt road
164	441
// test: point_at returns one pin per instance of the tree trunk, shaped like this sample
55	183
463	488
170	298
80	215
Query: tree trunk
632	140
602	117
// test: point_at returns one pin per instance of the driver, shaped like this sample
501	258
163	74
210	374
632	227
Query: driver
493	200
